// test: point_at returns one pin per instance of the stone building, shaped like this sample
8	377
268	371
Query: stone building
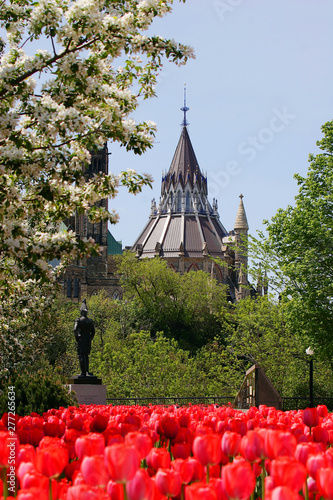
185	229
88	276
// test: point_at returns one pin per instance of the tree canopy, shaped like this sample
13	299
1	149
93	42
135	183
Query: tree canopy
57	104
191	308
299	249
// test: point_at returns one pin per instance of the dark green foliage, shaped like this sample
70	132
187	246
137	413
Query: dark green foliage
298	250
37	391
185	307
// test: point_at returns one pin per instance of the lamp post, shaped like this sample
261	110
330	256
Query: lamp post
310	353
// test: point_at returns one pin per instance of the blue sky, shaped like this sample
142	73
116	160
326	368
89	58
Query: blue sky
259	91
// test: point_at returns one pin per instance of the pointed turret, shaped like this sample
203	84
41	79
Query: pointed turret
184	168
241	219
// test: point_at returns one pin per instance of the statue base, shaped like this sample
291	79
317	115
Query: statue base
88	390
90	380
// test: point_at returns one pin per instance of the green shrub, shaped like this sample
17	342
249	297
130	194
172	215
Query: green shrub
37	391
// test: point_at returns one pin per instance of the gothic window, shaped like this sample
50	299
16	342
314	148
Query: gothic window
76	288
116	295
179	202
69	288
171	199
188	201
99	164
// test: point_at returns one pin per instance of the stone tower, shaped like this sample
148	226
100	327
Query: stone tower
86	277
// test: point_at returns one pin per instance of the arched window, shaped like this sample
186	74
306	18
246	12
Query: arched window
76	288
171	199
179	202
99	164
188	201
116	295
69	288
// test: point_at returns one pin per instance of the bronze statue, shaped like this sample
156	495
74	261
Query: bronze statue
84	331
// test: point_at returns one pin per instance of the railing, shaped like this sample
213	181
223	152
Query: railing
179	401
301	403
296	403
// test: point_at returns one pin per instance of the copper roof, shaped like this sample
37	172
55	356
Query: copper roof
184	166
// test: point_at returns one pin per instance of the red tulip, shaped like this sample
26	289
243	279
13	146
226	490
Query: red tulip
325	483
320	435
322	411
168	482
32	494
94	471
9	447
24	468
115	490
315	462
89	445
303	451
238	479
284	493
26	453
230	443
158	458
170	426
51	461
34	479
286	471
122	462
252	446
71	469
99	423
198	469
140	487
239	425
185	468
279	443
85	492
207	449
310	417
218	486
200	491
142	442
181	450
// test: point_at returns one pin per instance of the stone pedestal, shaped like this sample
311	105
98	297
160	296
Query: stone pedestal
88	390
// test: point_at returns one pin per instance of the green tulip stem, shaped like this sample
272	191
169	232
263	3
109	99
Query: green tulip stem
4	482
306	489
207	473
50	489
262	479
125	492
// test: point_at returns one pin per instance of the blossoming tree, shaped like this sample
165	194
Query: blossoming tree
58	103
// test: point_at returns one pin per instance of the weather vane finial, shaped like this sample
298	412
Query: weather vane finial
184	109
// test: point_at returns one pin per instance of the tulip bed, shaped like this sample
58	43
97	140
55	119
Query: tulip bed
194	452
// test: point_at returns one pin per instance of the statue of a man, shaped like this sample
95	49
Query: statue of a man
84	331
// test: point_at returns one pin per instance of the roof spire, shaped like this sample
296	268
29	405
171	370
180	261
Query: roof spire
184	109
241	220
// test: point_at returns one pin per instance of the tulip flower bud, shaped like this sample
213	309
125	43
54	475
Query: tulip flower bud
168	482
200	491
207	449
230	443
94	471
140	487
310	417
238	479
122	462
89	445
